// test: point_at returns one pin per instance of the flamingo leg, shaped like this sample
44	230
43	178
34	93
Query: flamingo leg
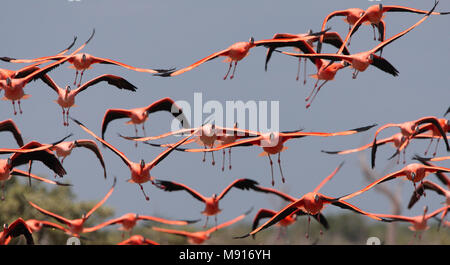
206	222
81	77
437	144
229	68
64	116
317	91
215	219
374	35
271	168
76	76
281	171
229	158
143	129
67	116
3	190
212	155
14	107
428	147
298	69
355	74
315	86
223	160
136	132
234	69
20	107
143	192
304	71
204	155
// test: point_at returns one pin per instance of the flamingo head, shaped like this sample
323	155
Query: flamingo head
316	198
235	125
413	176
84	217
8	81
9	162
83	57
380	6
214	196
142	163
251	40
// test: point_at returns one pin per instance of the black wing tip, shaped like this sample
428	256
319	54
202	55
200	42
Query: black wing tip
420	158
160	71
447	112
192	221
63	184
248	211
7	59
165	72
330	152
76	121
365	128
240	237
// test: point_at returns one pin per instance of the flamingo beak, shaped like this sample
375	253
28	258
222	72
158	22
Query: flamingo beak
9	161
380	6
84	57
142	163
413	176
316	198
8	81
235	125
252	40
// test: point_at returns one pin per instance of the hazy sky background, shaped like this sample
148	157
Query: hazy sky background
159	34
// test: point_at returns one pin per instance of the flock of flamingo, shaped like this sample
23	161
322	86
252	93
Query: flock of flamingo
213	138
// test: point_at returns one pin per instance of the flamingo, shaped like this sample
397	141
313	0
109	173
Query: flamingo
201	236
211	203
13	87
9	125
66	96
326	71
83	61
419	223
351	16
445	124
5	73
140	172
429	185
361	61
273	143
128	222
374	16
409	130
7	166
304	42
64	149
37	225
234	53
75	227
137	240
16	229
441	176
312	203
397	140
140	115
414	172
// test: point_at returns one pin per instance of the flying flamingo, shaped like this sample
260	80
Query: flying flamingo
83	61
273	143
206	135
75	227
326	71
234	53
211	203
140	172
305	43
445	124
37	225
409	130
128	222
210	136
429	185
351	16
311	203
140	115
7	166
201	236
66	96
361	61
414	172
64	149
374	16
16	229
397	140
13	87
441	176
5	73
9	125
419	223
137	240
